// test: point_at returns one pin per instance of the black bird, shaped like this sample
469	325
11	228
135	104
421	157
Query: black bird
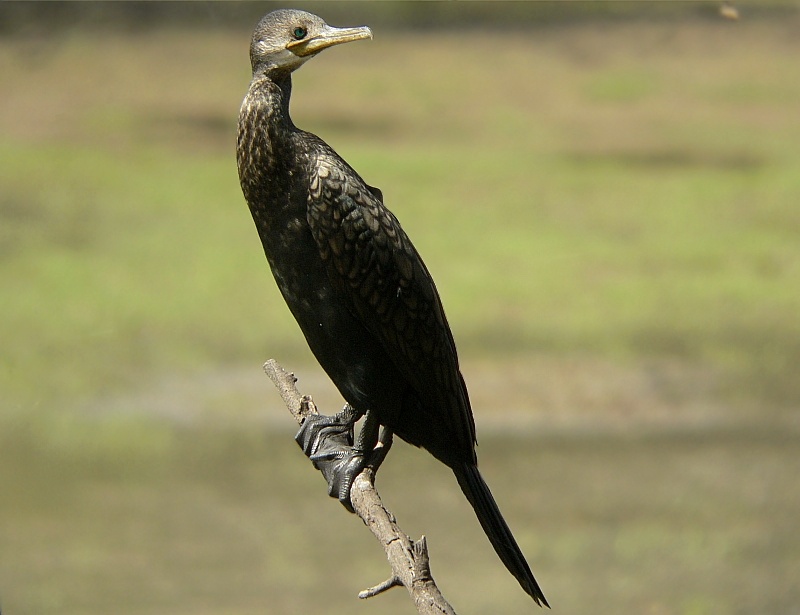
353	280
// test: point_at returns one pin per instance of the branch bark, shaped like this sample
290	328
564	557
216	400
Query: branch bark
408	559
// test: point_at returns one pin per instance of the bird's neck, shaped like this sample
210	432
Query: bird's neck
273	91
264	140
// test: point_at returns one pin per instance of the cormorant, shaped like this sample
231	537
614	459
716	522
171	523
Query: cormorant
354	282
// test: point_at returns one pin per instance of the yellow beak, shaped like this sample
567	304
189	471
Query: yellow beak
328	37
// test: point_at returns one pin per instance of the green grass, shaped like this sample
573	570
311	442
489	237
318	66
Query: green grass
610	214
623	206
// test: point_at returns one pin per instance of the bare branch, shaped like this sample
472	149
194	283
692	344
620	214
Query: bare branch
408	559
380	588
300	406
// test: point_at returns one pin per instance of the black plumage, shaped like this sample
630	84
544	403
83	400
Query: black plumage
351	277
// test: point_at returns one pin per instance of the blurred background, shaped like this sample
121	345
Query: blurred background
607	195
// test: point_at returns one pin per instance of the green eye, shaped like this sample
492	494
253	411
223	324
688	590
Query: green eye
299	32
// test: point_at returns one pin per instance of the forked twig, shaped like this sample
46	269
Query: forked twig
408	559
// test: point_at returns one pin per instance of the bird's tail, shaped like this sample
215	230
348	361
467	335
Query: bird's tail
478	494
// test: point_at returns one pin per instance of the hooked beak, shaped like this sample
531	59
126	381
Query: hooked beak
328	37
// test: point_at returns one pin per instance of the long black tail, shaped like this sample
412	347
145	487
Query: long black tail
478	494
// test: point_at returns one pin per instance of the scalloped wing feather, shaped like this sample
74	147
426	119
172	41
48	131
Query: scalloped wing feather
370	258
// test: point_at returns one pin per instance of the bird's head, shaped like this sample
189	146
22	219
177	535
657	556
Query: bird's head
287	38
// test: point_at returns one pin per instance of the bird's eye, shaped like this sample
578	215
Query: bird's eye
299	32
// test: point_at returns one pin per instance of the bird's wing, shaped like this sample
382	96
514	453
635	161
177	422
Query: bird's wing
370	258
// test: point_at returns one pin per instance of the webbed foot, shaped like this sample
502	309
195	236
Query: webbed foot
328	442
